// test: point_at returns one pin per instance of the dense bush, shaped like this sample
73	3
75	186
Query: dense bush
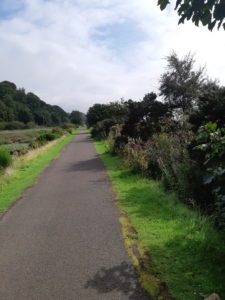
2	125
14	125
176	141
101	129
211	143
30	125
58	131
49	136
5	158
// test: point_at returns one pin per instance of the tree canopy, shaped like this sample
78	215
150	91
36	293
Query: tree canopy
17	105
77	117
207	12
181	84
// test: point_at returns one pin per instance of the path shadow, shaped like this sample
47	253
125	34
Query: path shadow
93	164
121	278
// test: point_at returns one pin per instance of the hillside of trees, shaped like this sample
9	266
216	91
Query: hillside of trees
19	109
177	137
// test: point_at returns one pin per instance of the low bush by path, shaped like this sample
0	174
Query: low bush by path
187	252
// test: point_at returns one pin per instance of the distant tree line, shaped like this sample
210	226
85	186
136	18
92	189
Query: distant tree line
177	136
19	109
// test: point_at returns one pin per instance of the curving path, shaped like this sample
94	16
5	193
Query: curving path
62	239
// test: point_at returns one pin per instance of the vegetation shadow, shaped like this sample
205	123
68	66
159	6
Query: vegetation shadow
93	164
121	278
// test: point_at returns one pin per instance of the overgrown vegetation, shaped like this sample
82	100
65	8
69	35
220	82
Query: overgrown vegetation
178	139
21	110
186	251
5	158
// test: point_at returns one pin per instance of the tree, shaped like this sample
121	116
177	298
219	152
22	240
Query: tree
211	106
181	84
16	105
76	117
97	113
25	115
209	12
143	117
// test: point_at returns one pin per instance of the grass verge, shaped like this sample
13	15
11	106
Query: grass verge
186	252
26	172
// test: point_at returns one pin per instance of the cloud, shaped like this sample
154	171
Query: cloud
75	53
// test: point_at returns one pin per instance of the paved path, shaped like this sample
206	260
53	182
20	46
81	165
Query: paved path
62	240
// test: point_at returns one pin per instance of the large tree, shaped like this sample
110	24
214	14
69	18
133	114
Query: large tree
143	117
208	12
77	117
181	84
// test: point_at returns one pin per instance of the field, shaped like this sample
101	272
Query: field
18	141
20	136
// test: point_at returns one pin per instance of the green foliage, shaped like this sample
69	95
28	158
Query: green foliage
18	149
17	106
5	158
181	84
186	251
211	141
58	131
210	106
143	117
209	13
77	117
136	157
14	125
102	128
162	140
46	137
100	112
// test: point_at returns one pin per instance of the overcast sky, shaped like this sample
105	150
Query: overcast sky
75	53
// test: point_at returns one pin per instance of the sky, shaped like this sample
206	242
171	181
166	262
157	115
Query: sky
75	53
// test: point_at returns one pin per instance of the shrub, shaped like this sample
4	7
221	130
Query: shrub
30	125
211	143
136	157
14	125
35	144
169	160
58	131
69	130
113	141
5	158
102	128
68	126
2	125
45	137
17	149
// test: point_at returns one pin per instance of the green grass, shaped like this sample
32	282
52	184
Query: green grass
187	252
27	173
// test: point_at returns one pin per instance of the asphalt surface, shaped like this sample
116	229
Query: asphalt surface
62	240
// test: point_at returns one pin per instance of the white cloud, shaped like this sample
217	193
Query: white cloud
53	49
